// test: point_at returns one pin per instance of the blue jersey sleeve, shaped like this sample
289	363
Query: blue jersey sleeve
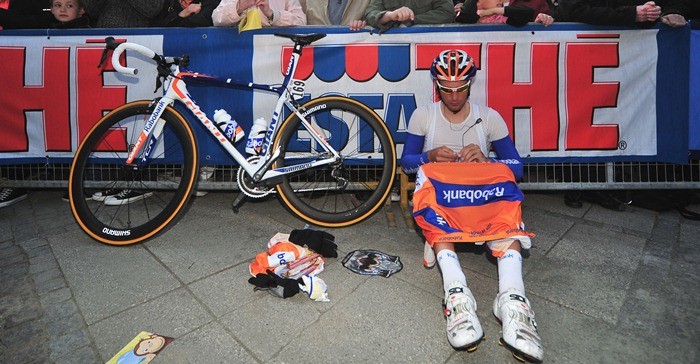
507	154
412	156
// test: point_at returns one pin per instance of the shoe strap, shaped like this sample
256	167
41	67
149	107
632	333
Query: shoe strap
523	315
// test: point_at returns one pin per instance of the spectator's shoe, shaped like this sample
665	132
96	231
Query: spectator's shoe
9	196
205	174
519	327
429	259
102	195
65	197
463	328
395	196
126	197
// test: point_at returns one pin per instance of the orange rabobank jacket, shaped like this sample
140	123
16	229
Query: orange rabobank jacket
467	202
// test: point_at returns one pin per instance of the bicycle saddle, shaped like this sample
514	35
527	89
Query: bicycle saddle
303	39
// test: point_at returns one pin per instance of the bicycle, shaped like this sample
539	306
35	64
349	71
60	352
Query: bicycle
331	162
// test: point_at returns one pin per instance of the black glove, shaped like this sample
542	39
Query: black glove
274	284
319	241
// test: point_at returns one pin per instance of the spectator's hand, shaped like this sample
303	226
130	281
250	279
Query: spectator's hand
545	19
243	5
483	13
673	20
442	154
458	8
401	14
190	9
357	25
264	7
648	12
472	153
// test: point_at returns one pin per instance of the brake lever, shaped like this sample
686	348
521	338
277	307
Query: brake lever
103	58
110	45
185	60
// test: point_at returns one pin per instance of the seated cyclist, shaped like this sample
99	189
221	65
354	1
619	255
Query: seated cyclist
454	129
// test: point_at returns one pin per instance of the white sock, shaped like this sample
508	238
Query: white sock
510	272
451	270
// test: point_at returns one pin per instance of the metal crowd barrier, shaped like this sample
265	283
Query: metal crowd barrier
545	176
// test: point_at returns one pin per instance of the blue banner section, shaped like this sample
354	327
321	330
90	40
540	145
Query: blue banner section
458	195
672	84
694	80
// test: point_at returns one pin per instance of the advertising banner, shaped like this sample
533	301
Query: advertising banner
567	92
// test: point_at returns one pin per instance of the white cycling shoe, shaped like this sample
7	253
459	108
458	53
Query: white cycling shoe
463	328
519	326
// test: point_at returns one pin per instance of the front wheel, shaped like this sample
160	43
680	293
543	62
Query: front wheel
121	204
352	188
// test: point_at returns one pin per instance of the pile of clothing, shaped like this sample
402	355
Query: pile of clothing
292	263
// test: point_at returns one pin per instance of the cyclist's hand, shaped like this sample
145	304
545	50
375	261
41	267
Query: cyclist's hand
357	24
402	14
472	153
190	9
442	154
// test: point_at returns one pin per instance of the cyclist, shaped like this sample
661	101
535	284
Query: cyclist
455	129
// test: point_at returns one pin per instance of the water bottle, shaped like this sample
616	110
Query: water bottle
256	137
229	126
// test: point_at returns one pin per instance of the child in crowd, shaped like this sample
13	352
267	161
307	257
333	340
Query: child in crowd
69	14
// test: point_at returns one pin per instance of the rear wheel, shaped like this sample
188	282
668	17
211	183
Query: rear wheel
150	195
352	188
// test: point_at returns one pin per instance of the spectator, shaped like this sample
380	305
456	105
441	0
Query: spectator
341	12
694	10
454	129
186	13
123	13
25	14
277	13
10	196
386	14
494	11
69	14
626	12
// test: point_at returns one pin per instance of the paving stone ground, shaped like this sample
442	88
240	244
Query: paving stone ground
607	287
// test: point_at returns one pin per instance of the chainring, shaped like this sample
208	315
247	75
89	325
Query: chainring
250	188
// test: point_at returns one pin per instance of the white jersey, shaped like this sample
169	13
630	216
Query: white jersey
430	122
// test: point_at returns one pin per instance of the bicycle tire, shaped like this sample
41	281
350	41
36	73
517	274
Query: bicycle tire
368	163
166	180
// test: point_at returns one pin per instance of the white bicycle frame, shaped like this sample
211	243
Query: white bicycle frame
176	89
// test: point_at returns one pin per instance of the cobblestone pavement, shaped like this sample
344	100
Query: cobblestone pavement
607	287
40	319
